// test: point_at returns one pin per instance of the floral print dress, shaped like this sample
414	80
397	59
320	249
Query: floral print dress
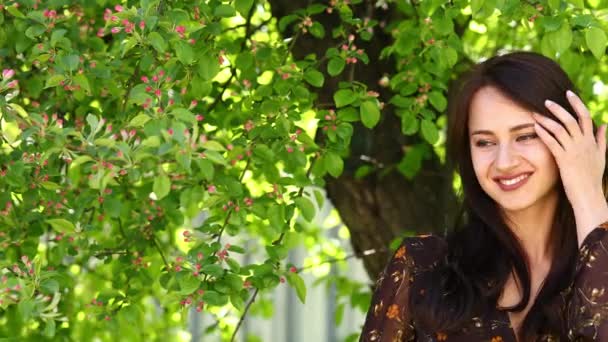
583	306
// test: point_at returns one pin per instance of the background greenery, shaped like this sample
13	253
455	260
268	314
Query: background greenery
144	142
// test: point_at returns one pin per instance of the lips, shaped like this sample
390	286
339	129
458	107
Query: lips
509	183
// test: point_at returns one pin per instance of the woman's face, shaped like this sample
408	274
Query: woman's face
512	164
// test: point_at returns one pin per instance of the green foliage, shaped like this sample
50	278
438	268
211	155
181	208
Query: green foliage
123	123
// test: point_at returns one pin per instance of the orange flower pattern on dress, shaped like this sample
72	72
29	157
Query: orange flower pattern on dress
393	311
584	303
400	252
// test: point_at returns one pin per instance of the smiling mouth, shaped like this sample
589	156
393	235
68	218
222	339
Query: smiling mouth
515	180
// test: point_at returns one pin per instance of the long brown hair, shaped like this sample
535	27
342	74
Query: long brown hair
482	250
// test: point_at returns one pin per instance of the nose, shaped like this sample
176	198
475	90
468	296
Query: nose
507	159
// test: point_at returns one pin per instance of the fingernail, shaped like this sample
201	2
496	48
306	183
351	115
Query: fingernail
569	93
548	102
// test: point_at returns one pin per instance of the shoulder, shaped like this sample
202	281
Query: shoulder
422	251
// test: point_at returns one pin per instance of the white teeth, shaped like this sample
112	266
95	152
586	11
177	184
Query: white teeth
514	180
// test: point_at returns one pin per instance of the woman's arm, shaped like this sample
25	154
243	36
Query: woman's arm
388	317
588	305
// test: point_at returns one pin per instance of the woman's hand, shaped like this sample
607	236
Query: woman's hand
580	157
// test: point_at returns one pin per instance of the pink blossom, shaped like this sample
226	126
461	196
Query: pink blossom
116	29
100	32
199	117
248	125
145	79
142	24
8	73
211	189
118	8
12	84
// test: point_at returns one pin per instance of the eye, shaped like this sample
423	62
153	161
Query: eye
528	137
482	143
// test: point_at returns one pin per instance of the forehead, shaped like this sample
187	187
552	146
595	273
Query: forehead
491	110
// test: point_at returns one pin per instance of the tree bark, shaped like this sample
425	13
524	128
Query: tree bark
384	204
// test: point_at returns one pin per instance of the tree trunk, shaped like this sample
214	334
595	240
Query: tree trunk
384	204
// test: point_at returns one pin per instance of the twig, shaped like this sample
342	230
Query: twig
160	251
251	300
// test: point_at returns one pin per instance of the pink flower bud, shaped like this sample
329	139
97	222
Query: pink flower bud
8	73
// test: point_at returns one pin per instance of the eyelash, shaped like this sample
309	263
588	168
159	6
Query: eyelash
481	143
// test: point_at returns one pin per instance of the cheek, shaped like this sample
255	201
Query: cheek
481	163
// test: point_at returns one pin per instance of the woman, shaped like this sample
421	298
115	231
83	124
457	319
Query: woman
528	260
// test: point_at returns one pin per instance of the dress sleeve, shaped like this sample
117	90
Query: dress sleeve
388	316
588	306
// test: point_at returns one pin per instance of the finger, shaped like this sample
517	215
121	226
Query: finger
573	127
558	131
551	143
582	112
601	139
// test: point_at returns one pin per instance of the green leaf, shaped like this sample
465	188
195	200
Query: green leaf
317	30
82	81
157	41
213	270
561	39
184	53
54	81
49	328
429	131
449	56
162	186
306	207
555	4
370	113
276	216
438	100
298	284
34	31
61	225
344	97
333	164
243	7
286	20
188	284
335	66
314	78
224	11
409	123
213	145
596	41
70	62
139	121
476	5
15	12
577	3
208	67
57	35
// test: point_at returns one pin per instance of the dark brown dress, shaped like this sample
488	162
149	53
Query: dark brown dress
584	306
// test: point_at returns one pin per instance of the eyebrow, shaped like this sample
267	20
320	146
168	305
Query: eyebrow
512	129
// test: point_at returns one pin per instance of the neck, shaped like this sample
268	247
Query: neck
532	226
